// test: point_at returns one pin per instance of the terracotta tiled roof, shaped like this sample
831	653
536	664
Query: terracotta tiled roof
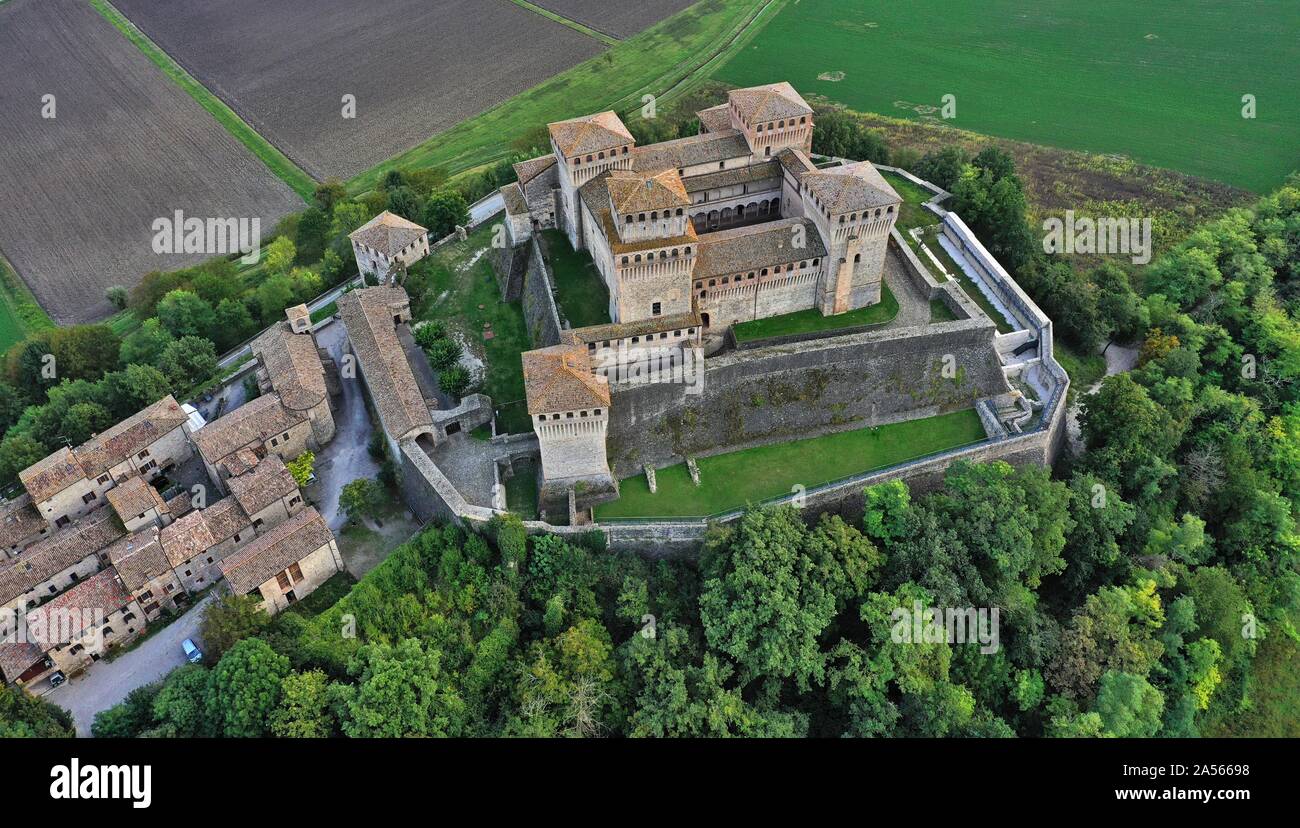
293	366
795	162
139	558
851	187
388	233
265	484
715	118
631	192
643	327
559	378
133	497
251	424
130	436
526	171
756	247
590	133
763	171
709	148
368	315
64	467
770	102
269	554
202	529
67	612
513	196
50	556
17	658
18	520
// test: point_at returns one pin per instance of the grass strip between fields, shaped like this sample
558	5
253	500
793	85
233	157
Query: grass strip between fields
20	313
277	162
661	60
565	21
730	481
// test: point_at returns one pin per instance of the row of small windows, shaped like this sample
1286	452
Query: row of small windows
568	415
600	156
654	216
650	257
636	340
743	277
782	124
865	215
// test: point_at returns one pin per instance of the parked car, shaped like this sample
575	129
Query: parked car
192	653
57	679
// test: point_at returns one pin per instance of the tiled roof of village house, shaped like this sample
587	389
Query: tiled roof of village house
851	187
715	118
768	103
709	148
239	462
388	233
139	558
526	171
269	481
368	316
293	365
756	247
102	591
622	330
202	529
590	133
631	192
50	556
19	519
513	196
130	436
64	467
133	497
269	554
252	422
16	658
559	378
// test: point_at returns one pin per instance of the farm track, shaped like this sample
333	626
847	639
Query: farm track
126	146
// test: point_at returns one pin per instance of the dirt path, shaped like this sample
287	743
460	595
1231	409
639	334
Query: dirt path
1119	359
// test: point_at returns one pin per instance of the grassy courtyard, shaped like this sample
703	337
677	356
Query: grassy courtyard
458	287
1161	81
730	481
811	320
580	292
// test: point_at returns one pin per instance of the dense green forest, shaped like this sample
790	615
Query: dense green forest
1147	586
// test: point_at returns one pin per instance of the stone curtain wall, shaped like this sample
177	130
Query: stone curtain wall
540	314
786	392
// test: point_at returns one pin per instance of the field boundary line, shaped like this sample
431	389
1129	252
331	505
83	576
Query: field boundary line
19	302
463	147
276	161
581	28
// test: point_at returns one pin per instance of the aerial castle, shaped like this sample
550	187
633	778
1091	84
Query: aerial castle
690	237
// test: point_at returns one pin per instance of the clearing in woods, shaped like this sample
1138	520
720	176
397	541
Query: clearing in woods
1160	81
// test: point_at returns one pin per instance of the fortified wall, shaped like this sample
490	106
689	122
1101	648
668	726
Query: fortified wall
793	391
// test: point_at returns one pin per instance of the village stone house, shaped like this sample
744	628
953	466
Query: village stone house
289	363
286	564
138	504
145	571
388	244
20	526
76	629
72	482
268	494
196	543
56	563
237	442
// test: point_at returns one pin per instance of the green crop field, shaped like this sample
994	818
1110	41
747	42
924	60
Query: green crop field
19	312
1160	81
